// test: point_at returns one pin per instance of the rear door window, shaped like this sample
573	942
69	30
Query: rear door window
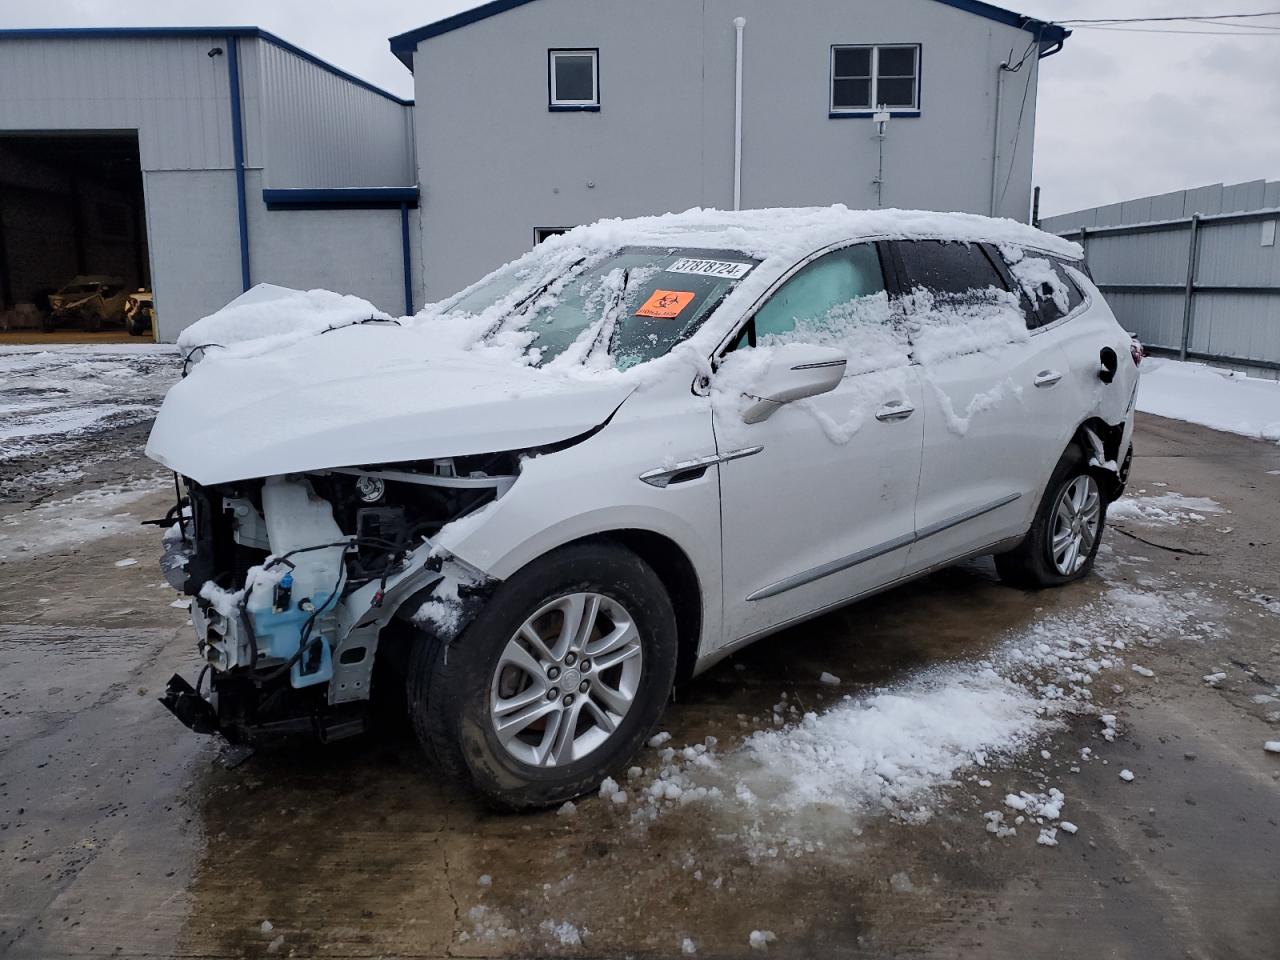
949	268
955	301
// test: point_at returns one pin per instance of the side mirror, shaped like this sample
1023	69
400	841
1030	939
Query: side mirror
789	373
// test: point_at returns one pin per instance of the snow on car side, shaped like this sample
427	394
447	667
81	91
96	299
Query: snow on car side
609	464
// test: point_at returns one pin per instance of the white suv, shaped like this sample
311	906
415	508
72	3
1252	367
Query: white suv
533	508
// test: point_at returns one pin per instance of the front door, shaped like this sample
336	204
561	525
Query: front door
820	508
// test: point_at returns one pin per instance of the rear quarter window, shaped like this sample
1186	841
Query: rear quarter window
1047	289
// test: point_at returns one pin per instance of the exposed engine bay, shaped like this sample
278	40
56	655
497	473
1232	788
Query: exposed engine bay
293	580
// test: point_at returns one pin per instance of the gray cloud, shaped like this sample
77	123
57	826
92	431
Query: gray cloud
1120	115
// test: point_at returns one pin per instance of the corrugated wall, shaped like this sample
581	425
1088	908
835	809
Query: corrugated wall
168	89
1216	300
317	129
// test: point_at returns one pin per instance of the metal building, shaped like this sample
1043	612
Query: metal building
199	161
536	115
1195	273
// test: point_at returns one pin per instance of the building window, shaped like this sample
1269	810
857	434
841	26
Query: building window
864	78
575	79
543	234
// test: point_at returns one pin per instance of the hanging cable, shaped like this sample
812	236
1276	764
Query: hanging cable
1194	17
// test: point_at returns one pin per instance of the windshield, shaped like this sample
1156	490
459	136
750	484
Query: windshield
632	306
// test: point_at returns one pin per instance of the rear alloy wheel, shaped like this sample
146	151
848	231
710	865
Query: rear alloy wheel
1077	520
555	684
1064	537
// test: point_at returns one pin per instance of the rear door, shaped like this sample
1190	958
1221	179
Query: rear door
995	405
1073	315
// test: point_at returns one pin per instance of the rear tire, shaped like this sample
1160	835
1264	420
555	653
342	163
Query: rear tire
1063	541
555	684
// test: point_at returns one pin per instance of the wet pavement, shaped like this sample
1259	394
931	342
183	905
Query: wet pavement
122	834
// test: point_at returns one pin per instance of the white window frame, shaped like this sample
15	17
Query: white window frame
875	49
555	100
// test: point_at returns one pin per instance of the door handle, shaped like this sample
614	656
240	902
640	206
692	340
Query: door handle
1047	378
894	411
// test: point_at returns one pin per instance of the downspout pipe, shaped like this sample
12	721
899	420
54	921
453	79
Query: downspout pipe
739	25
237	147
995	136
407	259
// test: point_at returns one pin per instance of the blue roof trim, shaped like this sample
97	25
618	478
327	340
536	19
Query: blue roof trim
403	45
145	33
341	198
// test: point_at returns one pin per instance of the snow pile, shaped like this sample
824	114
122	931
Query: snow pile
894	749
890	749
272	316
1165	509
760	939
563	933
1211	397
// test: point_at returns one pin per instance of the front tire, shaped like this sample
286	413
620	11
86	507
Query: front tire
1063	541
555	684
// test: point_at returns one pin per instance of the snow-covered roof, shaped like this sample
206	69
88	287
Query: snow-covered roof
797	232
403	45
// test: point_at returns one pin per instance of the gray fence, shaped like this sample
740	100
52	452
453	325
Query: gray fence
1204	285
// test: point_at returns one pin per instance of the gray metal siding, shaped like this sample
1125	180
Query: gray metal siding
494	163
318	130
1147	241
169	90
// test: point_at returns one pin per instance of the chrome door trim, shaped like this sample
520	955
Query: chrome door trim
835	566
661	477
943	525
871	553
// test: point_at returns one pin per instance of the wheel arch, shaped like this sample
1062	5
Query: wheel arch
1087	436
674	568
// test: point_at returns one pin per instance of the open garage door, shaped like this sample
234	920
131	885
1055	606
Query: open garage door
73	235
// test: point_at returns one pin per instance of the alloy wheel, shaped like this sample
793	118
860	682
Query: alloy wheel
566	680
1077	518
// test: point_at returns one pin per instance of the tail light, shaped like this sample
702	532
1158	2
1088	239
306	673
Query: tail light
1136	350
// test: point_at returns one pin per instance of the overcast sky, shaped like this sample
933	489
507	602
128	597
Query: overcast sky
1121	114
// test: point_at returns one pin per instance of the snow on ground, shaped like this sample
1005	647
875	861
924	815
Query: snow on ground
1211	397
57	402
897	749
71	521
1163	509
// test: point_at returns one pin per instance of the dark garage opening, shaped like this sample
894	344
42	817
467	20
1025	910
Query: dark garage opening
71	206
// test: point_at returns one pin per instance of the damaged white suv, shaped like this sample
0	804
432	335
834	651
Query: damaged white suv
532	509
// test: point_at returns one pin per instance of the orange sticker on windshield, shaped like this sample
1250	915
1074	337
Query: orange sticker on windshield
666	304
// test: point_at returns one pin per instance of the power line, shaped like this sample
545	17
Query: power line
1196	33
1194	17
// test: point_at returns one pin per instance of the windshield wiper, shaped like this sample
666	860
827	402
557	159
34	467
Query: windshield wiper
608	329
525	302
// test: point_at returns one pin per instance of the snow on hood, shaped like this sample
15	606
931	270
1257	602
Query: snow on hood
273	314
364	395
